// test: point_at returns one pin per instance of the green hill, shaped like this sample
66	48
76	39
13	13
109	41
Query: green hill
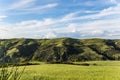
59	50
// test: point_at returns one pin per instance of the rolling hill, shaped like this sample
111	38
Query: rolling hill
59	49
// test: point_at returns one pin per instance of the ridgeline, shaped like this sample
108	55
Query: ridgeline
59	49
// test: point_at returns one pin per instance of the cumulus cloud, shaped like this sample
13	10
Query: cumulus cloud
50	35
97	32
71	28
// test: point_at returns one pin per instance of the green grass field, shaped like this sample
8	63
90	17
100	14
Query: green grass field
103	70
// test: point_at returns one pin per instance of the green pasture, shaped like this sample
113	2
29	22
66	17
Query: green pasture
97	70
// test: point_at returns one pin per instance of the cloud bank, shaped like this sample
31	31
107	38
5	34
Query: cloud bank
103	23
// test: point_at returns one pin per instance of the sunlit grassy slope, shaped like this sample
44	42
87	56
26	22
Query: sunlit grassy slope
103	70
59	50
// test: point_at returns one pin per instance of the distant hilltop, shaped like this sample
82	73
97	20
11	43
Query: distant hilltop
59	49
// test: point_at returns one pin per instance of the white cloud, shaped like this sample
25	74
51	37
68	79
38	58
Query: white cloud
49	6
111	11
114	1
50	35
99	28
97	32
21	4
42	7
93	33
71	15
102	27
4	33
2	17
71	28
112	24
28	6
36	23
74	15
51	28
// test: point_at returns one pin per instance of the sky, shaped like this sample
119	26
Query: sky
60	18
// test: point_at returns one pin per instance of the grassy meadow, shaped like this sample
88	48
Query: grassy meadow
97	70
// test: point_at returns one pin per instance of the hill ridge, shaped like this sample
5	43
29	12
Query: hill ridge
59	49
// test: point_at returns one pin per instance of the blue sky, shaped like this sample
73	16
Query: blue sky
60	18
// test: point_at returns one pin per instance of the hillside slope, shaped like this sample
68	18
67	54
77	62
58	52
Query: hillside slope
59	50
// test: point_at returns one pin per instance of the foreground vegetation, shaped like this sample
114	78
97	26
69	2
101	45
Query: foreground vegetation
102	70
